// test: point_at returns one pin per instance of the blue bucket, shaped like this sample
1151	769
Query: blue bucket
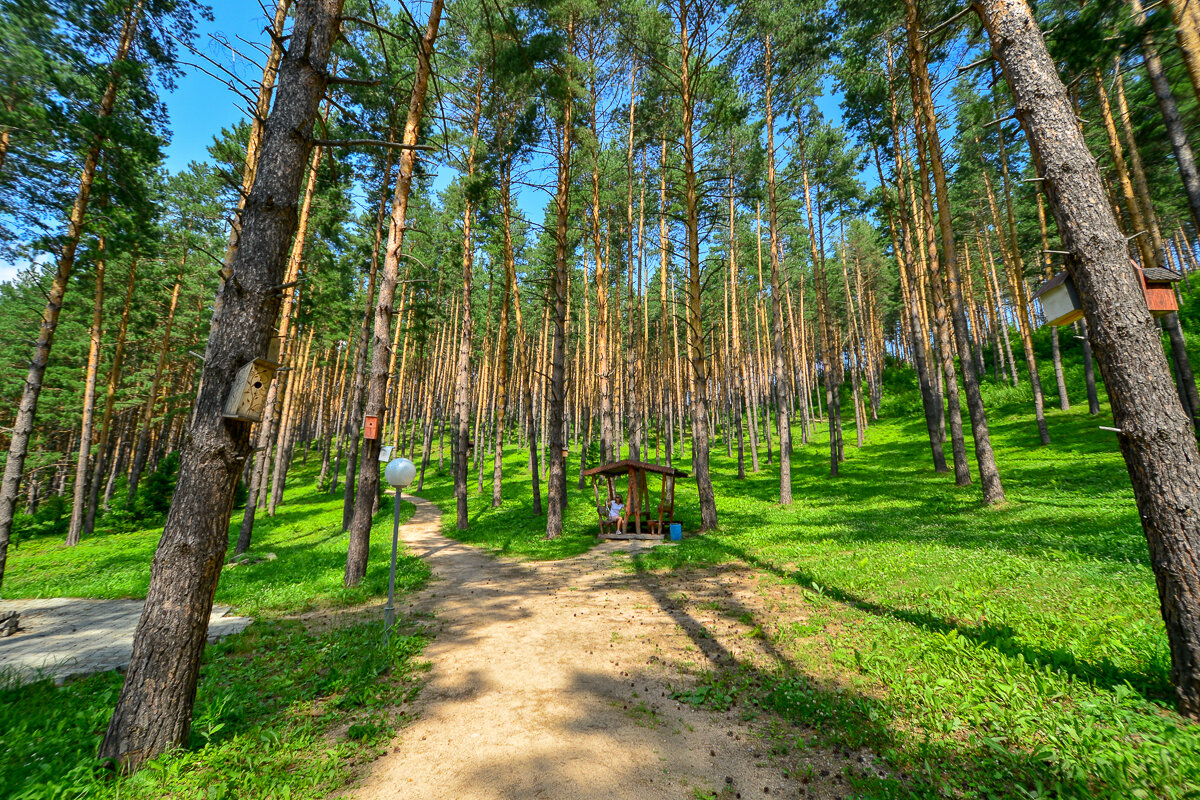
676	531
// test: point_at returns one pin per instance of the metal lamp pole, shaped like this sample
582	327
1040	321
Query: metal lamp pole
399	473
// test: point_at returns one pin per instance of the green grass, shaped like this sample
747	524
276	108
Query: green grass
1013	651
513	529
985	652
281	712
305	535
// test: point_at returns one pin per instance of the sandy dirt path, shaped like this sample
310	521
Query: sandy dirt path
553	680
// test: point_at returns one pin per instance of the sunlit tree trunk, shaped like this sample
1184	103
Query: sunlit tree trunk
556	476
1155	435
154	710
366	493
777	357
989	476
89	405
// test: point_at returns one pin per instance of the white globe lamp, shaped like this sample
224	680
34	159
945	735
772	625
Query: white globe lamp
400	472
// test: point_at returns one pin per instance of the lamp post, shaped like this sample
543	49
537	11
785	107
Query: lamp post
399	472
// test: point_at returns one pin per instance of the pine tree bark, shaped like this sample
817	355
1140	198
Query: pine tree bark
1187	36
142	449
114	380
944	348
697	344
556	476
462	380
989	475
1014	270
902	247
782	400
153	712
368	473
823	326
78	507
502	347
1172	120
1064	402
1156	437
353	411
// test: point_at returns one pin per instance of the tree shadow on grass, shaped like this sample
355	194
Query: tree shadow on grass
842	718
1001	638
888	492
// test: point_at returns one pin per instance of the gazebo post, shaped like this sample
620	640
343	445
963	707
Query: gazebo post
635	500
662	496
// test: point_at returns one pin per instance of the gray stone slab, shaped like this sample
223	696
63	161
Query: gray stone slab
64	636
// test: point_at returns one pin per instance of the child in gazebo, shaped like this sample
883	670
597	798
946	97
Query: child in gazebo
615	508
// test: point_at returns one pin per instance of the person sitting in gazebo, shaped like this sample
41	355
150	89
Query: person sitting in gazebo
616	507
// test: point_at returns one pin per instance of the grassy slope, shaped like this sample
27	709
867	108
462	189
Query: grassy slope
280	712
305	535
985	651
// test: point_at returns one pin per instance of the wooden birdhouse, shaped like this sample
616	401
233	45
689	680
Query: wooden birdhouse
1156	285
371	427
248	396
1060	301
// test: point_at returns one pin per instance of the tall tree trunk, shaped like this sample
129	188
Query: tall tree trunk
944	349
78	507
780	371
1014	270
353	412
1064	402
827	356
931	402
142	450
1184	156
154	710
989	476
697	344
1156	437
285	390
18	447
114	380
368	473
556	482
506	300
1187	35
462	380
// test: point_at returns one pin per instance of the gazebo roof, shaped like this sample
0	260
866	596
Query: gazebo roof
618	468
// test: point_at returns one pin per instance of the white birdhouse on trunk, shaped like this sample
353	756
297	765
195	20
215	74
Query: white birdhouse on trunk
248	395
1060	300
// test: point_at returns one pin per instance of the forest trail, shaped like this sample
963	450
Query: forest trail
554	679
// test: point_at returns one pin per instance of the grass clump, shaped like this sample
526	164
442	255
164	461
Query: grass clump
281	712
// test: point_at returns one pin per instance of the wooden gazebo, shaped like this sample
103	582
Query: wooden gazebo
645	521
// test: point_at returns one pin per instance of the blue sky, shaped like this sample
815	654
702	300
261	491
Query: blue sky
201	105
